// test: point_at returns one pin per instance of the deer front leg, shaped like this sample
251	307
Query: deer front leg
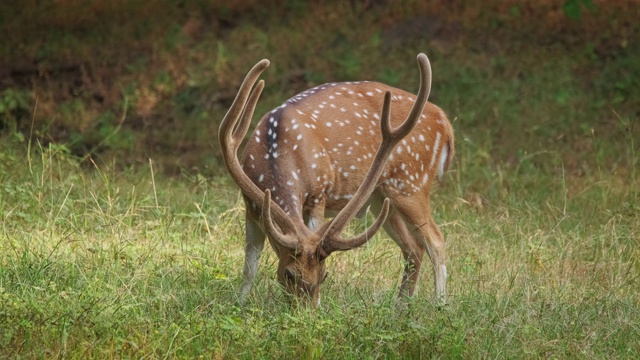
253	247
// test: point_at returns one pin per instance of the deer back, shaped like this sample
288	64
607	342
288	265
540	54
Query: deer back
317	147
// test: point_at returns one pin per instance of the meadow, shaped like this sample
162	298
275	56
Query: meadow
103	262
122	253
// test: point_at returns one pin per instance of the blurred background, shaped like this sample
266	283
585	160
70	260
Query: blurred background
522	81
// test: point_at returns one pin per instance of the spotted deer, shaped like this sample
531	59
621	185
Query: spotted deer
338	148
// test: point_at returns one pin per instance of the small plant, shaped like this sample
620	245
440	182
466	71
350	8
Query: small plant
628	125
14	106
573	8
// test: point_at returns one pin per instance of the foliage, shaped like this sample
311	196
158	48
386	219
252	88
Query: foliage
177	64
573	8
13	105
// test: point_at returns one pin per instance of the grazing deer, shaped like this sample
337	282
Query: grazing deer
332	148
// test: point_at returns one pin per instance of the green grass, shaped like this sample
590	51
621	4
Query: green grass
100	262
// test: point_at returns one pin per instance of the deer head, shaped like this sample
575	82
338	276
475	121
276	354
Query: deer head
316	153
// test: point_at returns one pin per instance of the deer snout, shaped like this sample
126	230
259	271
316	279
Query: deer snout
303	286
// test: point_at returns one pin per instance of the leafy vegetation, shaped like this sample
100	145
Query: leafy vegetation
174	67
120	235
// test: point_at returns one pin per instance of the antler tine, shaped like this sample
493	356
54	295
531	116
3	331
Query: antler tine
232	131
421	100
275	234
238	107
359	240
331	238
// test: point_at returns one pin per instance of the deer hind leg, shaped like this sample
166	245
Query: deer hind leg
253	248
412	250
417	215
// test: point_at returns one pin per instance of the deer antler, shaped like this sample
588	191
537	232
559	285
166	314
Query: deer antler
331	239
288	241
232	131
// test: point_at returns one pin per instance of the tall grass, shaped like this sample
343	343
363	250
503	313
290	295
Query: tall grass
99	262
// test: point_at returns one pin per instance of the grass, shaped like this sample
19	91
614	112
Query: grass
100	262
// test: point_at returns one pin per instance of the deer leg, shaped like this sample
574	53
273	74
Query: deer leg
436	247
253	247
412	251
417	214
314	217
